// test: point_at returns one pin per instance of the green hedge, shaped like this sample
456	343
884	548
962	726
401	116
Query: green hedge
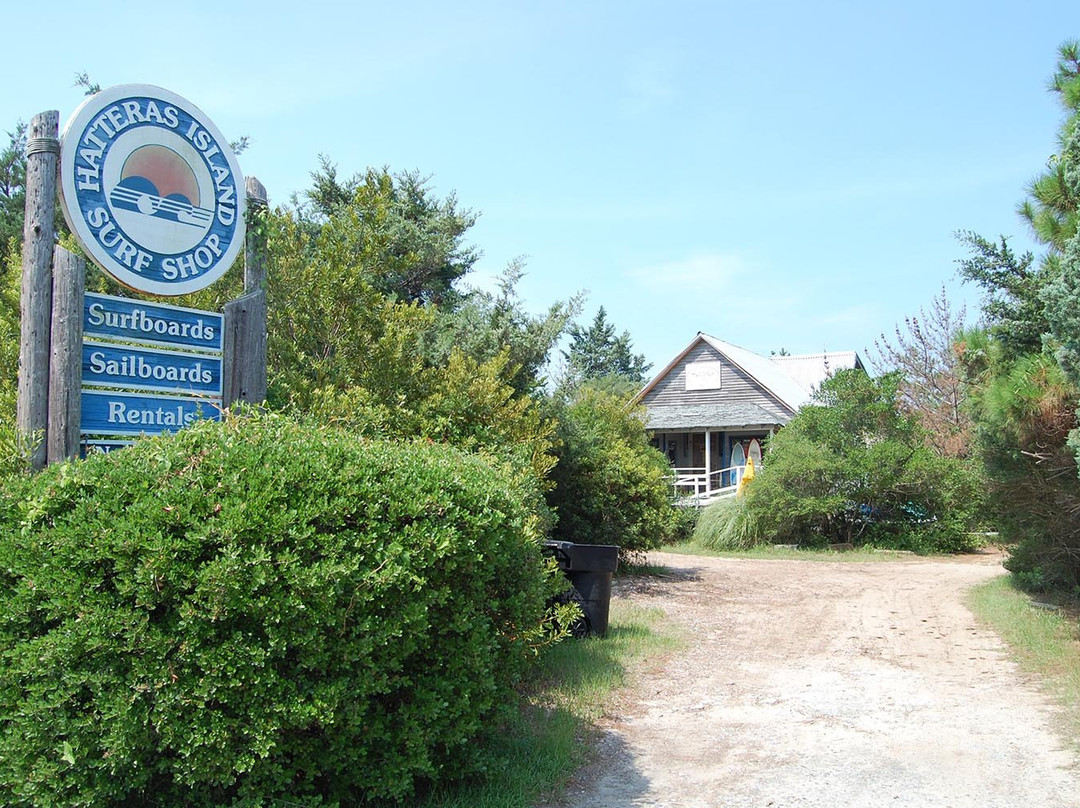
610	485
253	611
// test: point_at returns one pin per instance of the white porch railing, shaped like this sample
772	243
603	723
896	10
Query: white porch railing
700	485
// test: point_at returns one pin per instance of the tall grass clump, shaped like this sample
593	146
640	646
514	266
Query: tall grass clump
535	753
727	525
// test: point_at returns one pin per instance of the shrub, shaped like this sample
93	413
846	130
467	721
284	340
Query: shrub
611	486
684	522
253	611
14	449
466	404
1026	410
853	468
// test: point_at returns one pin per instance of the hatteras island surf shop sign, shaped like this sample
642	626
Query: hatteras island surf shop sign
154	195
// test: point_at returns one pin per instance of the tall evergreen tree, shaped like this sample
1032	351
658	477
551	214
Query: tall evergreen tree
1051	206
12	187
597	353
1024	371
484	325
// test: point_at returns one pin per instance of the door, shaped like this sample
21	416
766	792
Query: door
697	460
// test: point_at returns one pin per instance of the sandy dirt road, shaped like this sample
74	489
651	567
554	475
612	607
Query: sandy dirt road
826	684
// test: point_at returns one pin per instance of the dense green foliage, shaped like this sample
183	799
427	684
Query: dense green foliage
1062	293
258	611
1051	206
13	185
1022	369
610	485
1024	408
485	325
328	327
334	324
597	353
852	468
465	404
409	243
1012	306
12	448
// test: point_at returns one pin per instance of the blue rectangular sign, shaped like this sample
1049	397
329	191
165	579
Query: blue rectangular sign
107	364
89	447
108	413
154	323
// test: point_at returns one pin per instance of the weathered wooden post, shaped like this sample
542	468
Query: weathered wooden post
65	366
39	234
245	317
255	243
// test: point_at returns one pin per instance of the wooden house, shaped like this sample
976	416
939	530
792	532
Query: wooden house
715	404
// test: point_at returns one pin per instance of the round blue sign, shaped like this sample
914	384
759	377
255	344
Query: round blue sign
152	190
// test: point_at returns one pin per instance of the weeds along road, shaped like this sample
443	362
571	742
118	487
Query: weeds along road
826	685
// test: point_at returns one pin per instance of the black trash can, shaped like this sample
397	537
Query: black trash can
589	568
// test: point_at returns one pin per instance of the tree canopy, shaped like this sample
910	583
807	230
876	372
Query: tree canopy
407	242
597	352
1050	207
1022	368
13	186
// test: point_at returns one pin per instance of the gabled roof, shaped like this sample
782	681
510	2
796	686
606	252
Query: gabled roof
791	379
810	370
768	375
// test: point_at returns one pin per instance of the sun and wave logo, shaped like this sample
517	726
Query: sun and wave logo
151	190
156	181
159	190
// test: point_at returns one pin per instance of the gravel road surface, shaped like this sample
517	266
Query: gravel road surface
821	684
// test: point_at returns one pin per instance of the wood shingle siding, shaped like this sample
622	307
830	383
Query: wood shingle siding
737	388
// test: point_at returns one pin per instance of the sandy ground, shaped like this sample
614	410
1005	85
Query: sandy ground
826	684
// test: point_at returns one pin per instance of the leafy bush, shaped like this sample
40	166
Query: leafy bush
611	486
14	449
852	468
254	611
684	522
467	404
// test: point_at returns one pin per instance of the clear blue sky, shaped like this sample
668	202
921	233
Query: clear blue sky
787	174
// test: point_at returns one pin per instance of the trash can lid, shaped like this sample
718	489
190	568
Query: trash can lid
585	557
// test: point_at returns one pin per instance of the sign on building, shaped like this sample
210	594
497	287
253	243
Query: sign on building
704	375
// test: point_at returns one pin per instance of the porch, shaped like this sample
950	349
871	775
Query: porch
699	486
708	464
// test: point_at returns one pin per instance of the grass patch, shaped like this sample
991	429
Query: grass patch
542	745
1044	642
640	566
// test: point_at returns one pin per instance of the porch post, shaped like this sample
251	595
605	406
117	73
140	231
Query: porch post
708	461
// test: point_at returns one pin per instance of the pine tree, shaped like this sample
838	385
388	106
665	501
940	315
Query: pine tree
596	353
